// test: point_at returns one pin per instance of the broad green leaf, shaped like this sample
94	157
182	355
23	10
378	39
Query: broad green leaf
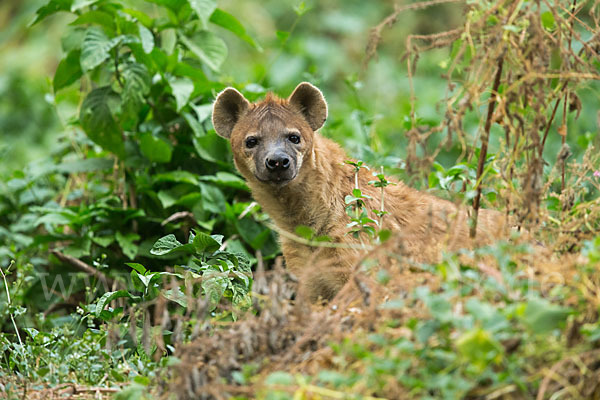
53	6
138	267
182	89
72	39
95	48
203	111
173	5
305	232
229	22
212	198
140	16
541	316
136	87
79	4
282	36
226	179
108	297
165	245
211	147
479	348
98	122
279	378
155	149
168	244
126	242
68	70
177	296
548	20
147	38
205	243
97	17
208	47
204	9
103	241
87	165
54	219
176	176
194	124
214	285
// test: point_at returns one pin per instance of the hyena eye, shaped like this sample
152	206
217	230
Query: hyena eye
294	139
251	142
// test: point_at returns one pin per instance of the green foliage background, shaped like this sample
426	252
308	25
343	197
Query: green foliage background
109	158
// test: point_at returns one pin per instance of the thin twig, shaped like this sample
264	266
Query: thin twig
88	269
12	318
484	144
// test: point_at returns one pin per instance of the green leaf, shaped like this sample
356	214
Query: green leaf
229	22
140	16
204	243
214	285
479	348
279	378
53	6
182	89
305	232
95	48
176	176
208	47
300	9
194	124
203	111
169	244
548	20
87	165
204	9
212	198
165	245
211	147
138	267
155	149
97	121
108	297
147	38
541	316
177	296
79	4
126	242
103	241
68	70
96	17
136	87
282	36
173	5
226	179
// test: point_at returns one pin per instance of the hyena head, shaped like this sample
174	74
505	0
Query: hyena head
270	138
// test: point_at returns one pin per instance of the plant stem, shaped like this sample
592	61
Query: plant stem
484	144
382	202
564	141
9	302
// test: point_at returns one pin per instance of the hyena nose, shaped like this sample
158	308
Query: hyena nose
277	162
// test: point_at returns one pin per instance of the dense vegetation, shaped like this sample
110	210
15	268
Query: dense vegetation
136	264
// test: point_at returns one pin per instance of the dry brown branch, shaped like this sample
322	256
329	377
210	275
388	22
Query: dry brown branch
88	269
375	33
484	144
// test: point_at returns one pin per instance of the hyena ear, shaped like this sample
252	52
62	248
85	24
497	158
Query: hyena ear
227	109
311	103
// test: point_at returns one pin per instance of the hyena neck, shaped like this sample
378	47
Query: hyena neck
316	197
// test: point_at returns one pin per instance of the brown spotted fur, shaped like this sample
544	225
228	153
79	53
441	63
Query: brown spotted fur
423	225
